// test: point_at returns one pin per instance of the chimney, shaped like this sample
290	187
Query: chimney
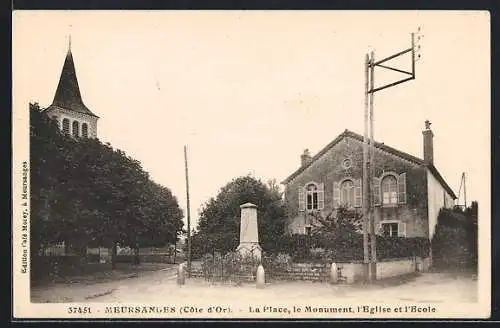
305	158
428	143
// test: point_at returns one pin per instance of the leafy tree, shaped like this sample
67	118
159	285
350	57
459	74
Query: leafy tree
343	223
86	193
219	224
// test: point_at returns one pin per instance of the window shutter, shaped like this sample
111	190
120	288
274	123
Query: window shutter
358	193
402	188
376	191
402	229
336	195
321	196
302	199
379	230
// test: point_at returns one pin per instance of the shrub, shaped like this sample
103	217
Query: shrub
349	247
280	262
454	244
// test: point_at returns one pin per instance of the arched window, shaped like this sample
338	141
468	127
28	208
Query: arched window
312	197
85	130
56	120
347	193
76	133
65	127
389	190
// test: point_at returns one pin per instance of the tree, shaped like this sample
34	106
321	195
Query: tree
85	193
337	230
219	224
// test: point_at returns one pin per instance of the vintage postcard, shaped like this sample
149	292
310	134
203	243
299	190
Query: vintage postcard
251	164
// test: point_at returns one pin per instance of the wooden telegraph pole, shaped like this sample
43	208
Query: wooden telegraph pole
369	231
188	212
371	166
462	184
366	253
465	193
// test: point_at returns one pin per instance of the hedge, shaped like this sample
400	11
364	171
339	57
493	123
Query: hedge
347	248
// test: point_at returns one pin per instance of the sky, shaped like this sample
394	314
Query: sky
248	91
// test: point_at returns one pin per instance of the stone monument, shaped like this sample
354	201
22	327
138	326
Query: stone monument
249	232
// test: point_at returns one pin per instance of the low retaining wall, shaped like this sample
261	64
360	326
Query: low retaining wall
387	268
350	272
395	267
346	272
302	271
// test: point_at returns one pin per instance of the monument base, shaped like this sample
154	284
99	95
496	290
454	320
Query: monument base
250	249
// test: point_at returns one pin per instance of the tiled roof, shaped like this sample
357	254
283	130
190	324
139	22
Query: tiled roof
68	92
377	145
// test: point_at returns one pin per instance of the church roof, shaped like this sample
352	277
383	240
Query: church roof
68	92
380	146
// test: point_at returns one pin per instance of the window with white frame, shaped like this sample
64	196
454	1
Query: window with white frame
390	229
389	190
347	193
312	197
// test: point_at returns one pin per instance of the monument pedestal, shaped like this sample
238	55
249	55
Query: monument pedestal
249	233
250	249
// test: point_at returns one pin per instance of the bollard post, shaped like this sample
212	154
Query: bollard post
261	277
334	275
181	274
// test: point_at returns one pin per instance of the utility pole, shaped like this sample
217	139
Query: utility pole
462	183
371	166
465	193
366	222
369	244
188	212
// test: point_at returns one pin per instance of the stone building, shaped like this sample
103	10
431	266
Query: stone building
408	191
73	117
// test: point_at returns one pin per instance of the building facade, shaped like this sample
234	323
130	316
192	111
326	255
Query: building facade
67	108
407	193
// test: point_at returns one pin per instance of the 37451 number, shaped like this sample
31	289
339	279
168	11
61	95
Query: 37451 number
79	310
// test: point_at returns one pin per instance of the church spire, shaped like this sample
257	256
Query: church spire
68	92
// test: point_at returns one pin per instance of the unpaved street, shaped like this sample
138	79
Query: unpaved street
160	286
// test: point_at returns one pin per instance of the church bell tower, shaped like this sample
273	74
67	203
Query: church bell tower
73	117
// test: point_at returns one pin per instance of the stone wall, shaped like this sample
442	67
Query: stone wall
348	273
302	271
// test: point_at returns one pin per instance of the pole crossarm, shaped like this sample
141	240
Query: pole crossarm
391	84
392	56
395	69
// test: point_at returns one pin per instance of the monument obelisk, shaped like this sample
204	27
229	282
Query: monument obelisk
249	232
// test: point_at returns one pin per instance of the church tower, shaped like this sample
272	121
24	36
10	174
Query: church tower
73	117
